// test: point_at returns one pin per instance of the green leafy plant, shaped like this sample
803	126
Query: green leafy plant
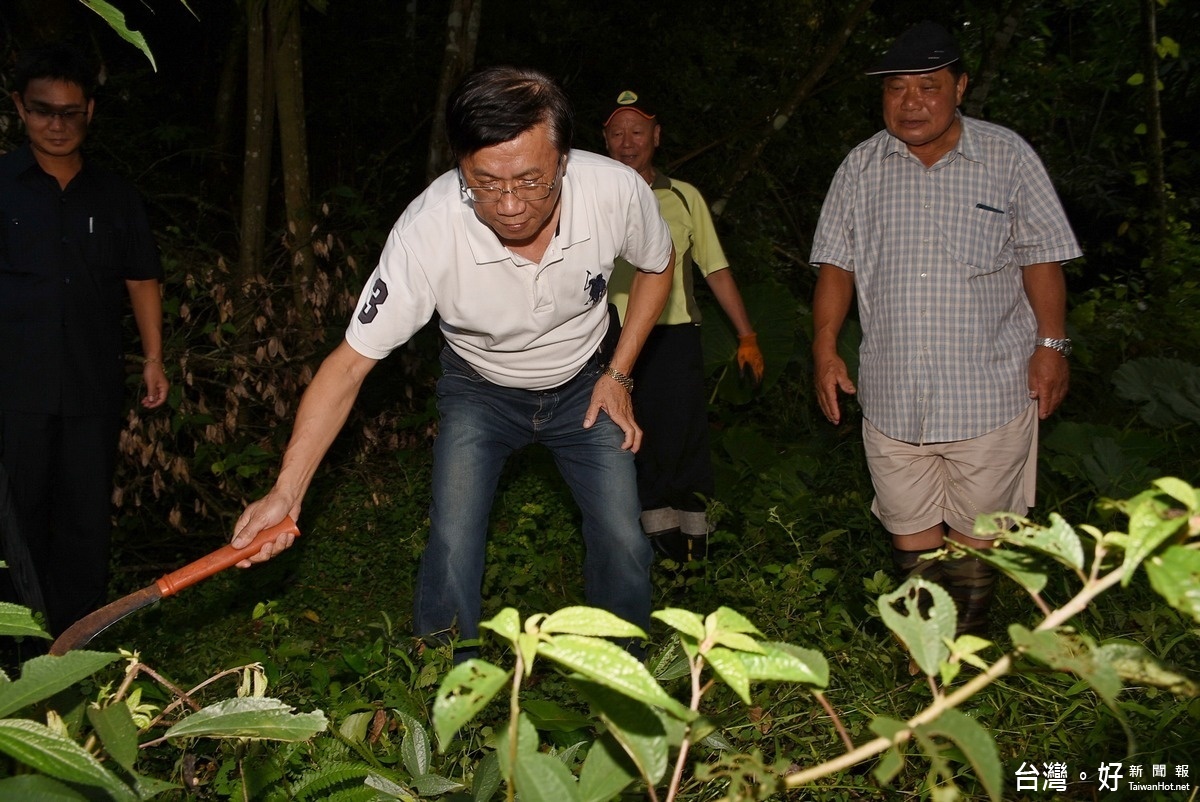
641	725
93	747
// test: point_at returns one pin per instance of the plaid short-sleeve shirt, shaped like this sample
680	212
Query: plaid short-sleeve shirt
937	254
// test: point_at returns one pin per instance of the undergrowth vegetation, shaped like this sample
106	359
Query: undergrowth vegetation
771	659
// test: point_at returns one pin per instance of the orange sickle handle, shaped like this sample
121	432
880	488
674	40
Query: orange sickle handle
219	560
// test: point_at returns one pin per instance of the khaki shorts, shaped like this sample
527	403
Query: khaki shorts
919	487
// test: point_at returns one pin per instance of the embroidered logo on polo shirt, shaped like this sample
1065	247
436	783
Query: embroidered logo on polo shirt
595	287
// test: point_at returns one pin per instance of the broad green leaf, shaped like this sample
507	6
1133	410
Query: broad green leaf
250	717
116	21
392	790
354	727
114	724
893	759
149	787
992	525
640	731
685	621
1057	541
705	733
1151	523
414	747
1134	663
486	781
527	742
17	621
976	743
550	717
567	756
1175	575
40	748
726	619
1064	652
783	662
42	677
736	641
590	621
1179	490
606	772
1167	47
612	666
506	624
922	622
669	662
1019	566
430	785
541	778
527	643
38	788
464	692
1169	388
1137	79
729	668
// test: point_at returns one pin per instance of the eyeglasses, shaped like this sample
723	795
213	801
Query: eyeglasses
522	192
43	115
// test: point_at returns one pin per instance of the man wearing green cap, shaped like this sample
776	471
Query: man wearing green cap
949	233
674	467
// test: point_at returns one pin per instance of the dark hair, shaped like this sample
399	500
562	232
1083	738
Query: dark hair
497	104
59	62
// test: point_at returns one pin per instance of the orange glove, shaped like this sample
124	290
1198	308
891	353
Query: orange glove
749	355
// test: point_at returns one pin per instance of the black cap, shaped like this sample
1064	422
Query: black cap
924	47
629	99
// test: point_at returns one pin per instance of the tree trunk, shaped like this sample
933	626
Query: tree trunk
789	106
224	117
462	34
1155	173
993	57
256	165
293	142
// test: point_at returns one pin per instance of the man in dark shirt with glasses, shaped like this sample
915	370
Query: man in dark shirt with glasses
74	243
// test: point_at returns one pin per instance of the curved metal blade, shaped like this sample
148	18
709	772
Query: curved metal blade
92	624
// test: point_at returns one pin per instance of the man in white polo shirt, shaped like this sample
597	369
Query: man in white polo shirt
513	250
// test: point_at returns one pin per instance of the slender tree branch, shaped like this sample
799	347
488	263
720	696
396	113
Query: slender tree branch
998	669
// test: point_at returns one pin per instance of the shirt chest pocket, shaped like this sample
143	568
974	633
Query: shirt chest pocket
21	249
100	244
978	236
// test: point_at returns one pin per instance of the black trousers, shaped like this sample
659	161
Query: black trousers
674	463
60	473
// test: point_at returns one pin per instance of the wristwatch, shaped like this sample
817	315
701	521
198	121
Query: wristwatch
1063	346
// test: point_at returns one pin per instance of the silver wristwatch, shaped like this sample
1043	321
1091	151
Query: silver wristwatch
1063	346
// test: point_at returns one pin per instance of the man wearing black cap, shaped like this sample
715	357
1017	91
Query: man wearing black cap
675	467
950	234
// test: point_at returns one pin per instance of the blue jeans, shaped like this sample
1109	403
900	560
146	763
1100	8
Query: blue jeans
481	424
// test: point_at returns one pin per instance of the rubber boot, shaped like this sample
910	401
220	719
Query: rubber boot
671	544
971	582
909	563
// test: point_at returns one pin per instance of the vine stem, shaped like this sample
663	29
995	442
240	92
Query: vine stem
514	713
998	669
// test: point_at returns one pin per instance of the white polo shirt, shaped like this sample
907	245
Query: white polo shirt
520	324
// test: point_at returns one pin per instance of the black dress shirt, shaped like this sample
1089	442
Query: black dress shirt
65	255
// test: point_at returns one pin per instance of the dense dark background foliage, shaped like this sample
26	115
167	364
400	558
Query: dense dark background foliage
750	118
